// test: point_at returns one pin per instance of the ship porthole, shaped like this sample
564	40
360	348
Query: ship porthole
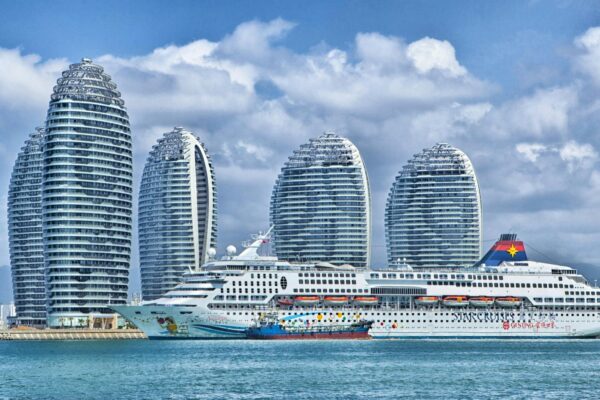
283	283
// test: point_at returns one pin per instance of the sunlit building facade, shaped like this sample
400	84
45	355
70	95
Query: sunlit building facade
321	204
177	211
433	211
86	197
25	233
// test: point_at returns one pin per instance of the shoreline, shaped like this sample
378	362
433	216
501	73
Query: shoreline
71	334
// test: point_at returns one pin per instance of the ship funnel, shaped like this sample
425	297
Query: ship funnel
507	248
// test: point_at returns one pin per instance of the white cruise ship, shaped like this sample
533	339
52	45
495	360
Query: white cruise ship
503	296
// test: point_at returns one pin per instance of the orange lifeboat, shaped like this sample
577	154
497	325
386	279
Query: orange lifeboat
456	301
508	301
285	302
365	300
306	300
481	301
427	300
335	300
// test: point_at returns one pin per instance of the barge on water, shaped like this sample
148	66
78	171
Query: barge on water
269	327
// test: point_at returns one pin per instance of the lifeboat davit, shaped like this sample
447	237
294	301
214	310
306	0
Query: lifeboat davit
508	301
456	301
335	300
366	300
427	300
306	300
481	301
285	302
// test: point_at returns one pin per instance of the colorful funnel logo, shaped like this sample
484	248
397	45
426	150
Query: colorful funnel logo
507	248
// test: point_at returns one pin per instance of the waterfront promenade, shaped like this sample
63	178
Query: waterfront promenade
71	334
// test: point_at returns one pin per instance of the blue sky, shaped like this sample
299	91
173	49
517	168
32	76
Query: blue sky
515	84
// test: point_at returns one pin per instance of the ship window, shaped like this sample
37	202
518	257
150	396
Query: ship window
283	283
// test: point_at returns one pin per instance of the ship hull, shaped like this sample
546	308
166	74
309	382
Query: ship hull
169	323
467	323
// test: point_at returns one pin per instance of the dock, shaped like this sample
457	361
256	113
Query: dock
71	334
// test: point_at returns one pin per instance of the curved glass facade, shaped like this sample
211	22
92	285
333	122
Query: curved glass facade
321	204
86	197
433	212
25	233
177	211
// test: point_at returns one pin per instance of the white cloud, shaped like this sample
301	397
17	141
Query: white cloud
544	112
390	97
252	41
380	52
588	61
26	81
429	54
578	155
531	151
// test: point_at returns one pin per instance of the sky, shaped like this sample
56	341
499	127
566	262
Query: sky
514	84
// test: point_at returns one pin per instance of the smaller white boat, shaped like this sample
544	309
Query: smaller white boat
306	300
456	301
365	300
481	301
335	300
508	301
427	300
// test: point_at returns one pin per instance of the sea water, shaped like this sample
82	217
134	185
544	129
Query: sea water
244	369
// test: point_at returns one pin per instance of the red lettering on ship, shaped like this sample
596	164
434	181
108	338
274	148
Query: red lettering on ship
529	325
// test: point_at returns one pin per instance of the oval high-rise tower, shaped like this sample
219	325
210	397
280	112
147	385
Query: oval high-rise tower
25	233
321	204
86	197
177	211
433	211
